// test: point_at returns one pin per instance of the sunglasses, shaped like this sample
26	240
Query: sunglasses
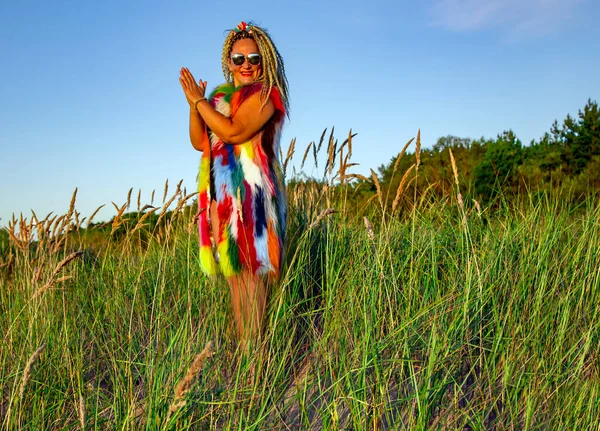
239	59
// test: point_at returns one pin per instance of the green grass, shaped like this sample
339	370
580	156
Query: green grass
446	319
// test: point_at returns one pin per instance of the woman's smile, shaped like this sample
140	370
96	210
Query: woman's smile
246	72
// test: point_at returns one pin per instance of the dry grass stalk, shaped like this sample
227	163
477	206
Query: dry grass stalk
183	200
453	163
57	223
164	208
401	186
330	141
60	242
8	262
117	221
290	154
461	204
341	165
94	215
28	367
412	180
321	139
41	228
82	412
194	222
23	234
71	206
139	200
141	221
349	165
178	188
418	148
47	217
129	197
424	195
459	197
56	271
13	237
166	190
314	147
324	213
358	177
48	226
369	228
306	154
77	221
349	141
34	220
331	151
477	207
185	385
378	187
63	278
152	197
29	226
38	271
401	154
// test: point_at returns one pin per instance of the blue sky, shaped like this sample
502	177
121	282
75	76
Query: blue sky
90	96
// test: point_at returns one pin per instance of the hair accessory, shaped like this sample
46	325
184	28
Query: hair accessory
242	26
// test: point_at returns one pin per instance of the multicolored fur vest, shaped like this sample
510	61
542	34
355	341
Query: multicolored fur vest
249	190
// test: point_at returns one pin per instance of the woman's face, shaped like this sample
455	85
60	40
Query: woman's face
246	72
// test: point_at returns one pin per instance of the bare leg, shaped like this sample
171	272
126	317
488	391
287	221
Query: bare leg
248	296
233	286
236	308
249	292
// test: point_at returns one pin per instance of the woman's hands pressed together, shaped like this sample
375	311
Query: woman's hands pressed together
193	91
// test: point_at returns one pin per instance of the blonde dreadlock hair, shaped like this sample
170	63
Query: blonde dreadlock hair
273	70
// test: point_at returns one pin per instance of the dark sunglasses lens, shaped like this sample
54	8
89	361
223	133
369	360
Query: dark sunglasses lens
254	59
238	59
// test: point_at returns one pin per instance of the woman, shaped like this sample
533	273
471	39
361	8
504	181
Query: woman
242	200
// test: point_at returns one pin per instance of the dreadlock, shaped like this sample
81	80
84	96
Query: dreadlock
273	70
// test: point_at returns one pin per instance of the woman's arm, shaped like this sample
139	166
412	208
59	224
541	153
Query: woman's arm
197	129
249	118
247	121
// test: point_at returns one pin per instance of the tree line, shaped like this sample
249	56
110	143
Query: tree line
565	160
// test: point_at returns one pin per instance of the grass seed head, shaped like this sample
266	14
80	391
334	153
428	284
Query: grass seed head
418	149
186	384
401	186
129	197
94	215
454	169
290	154
306	154
166	190
378	187
401	154
27	372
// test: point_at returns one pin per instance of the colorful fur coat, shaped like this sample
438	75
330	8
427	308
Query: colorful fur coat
249	189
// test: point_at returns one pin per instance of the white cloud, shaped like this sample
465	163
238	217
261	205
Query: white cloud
530	17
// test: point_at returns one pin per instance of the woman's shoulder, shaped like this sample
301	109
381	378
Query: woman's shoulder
249	90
